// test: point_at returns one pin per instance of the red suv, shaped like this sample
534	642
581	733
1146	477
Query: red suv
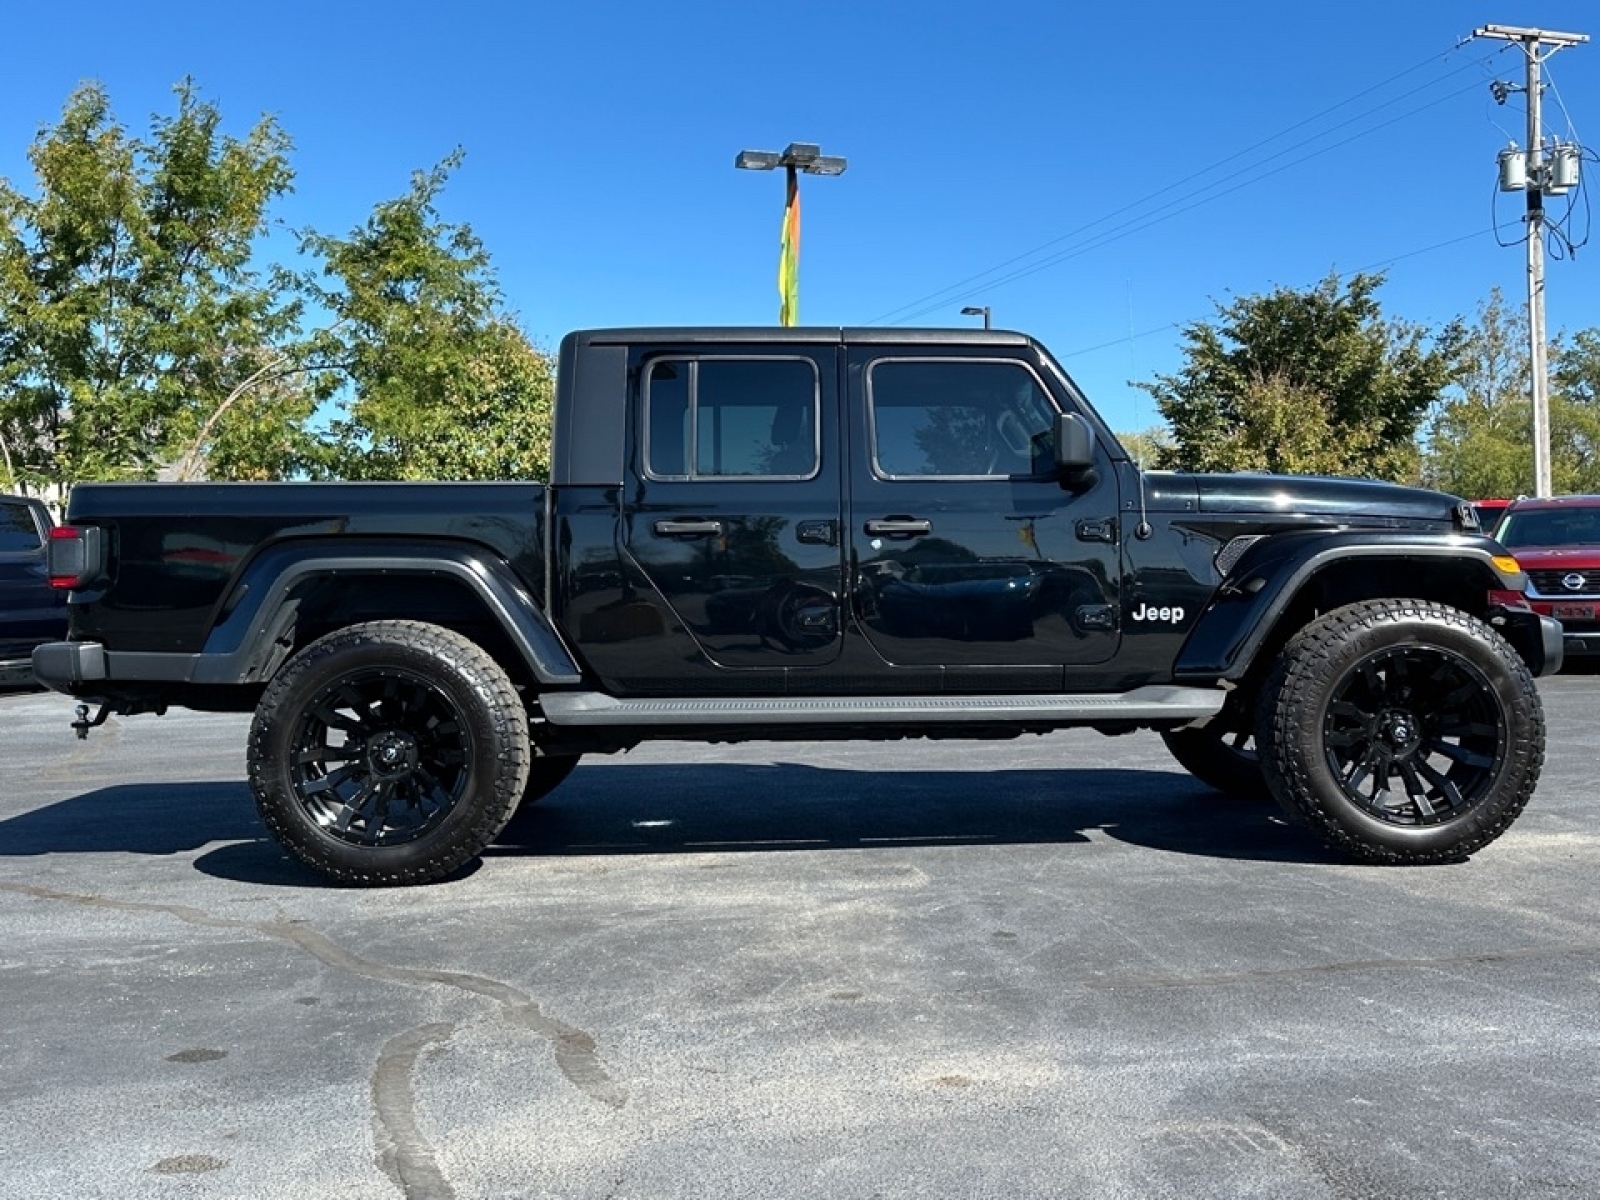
1557	541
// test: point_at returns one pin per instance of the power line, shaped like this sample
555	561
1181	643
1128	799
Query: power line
1177	208
934	300
1170	325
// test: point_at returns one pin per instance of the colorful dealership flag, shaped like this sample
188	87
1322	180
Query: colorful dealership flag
789	257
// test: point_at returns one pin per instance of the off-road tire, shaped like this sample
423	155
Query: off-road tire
1222	752
1401	731
388	753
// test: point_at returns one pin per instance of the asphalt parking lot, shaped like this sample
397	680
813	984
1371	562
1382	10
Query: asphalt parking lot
1050	967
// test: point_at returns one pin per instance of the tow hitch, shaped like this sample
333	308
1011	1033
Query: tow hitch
128	708
82	725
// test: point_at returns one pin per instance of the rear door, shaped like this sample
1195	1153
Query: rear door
733	505
968	552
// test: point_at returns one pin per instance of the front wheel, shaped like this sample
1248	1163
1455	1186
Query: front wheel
388	753
1401	731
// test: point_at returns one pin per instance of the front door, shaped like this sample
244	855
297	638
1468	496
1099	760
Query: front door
968	552
732	512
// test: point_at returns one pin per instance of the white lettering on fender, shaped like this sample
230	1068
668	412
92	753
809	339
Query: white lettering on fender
1146	612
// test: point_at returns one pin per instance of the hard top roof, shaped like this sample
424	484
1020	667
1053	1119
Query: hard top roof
802	333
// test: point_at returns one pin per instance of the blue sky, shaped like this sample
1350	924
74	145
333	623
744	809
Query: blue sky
1096	174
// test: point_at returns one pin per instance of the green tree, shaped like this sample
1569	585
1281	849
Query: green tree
1310	380
127	288
499	426
1148	445
434	378
1575	413
1480	434
1285	427
263	430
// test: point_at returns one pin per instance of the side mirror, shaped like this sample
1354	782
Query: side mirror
1074	450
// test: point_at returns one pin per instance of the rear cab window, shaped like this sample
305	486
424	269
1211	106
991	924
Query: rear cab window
20	530
731	418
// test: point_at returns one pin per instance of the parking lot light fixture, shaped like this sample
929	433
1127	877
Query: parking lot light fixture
975	310
798	158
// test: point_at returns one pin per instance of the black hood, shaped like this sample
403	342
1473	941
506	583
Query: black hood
1342	501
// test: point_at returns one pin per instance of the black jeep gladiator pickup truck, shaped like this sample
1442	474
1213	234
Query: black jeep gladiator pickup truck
805	534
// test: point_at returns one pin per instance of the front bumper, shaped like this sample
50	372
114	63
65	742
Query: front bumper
1554	642
1580	633
1581	643
1539	640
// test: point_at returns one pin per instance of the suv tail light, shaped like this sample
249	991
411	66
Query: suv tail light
76	555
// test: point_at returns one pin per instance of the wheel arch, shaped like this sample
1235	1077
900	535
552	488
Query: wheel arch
292	593
1275	590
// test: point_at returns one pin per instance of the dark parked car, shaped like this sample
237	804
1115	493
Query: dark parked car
31	611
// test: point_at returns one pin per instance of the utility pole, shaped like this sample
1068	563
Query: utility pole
1536	182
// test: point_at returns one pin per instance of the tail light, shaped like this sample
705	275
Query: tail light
76	555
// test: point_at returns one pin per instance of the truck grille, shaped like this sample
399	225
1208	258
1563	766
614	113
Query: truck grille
1554	584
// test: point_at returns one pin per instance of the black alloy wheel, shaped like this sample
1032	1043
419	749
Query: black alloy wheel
380	757
1414	735
389	752
1401	731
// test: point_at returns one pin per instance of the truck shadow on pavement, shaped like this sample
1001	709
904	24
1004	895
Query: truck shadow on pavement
715	808
790	806
153	819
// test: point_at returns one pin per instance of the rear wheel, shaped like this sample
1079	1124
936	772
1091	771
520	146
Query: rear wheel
546	773
388	753
1402	731
1222	752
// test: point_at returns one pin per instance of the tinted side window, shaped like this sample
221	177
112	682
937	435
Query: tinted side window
18	529
945	417
731	418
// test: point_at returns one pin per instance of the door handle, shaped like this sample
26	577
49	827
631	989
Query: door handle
900	527
816	533
688	528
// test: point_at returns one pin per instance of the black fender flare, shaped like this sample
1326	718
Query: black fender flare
1267	577
265	594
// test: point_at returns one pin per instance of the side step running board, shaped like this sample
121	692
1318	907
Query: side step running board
1156	702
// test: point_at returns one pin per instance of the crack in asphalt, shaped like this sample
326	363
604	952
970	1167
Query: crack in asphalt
404	1154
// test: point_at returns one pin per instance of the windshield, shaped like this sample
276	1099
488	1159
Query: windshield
1550	527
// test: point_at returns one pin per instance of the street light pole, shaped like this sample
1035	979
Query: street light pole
976	310
797	158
